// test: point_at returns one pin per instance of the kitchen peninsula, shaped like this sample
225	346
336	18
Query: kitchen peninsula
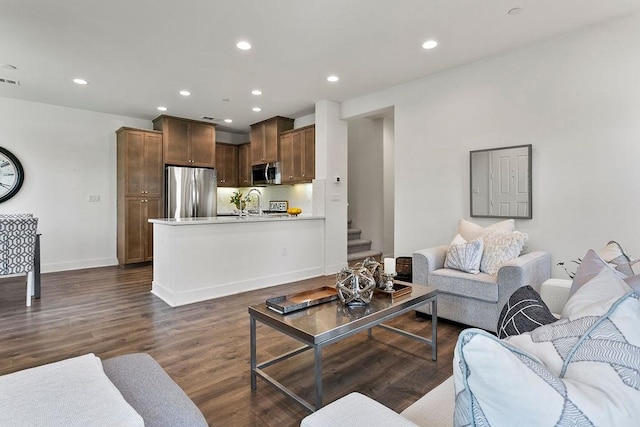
196	259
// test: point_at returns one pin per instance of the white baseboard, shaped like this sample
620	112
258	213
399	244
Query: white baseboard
78	265
175	299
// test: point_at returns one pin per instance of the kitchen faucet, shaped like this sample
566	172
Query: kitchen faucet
259	199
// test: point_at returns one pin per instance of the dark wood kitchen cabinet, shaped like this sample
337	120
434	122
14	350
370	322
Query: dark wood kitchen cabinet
298	155
139	192
265	139
244	165
227	165
187	142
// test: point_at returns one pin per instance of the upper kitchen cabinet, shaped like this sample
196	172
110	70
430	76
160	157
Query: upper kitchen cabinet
244	165
227	165
187	142
140	166
265	139
298	155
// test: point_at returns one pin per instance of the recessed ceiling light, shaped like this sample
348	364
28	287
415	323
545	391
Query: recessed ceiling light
228	121
256	92
80	81
8	67
161	108
514	11
257	109
243	45
332	79
185	93
429	44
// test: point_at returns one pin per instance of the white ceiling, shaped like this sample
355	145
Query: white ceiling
137	54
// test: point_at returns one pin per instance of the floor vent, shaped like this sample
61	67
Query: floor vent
10	81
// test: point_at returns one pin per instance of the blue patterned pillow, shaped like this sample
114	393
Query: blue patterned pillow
464	256
583	370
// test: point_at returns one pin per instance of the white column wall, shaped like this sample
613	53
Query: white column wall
331	162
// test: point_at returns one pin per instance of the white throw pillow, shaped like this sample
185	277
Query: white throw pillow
469	230
604	286
500	247
464	256
579	371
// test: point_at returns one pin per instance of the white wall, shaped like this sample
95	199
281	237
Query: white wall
575	98
67	155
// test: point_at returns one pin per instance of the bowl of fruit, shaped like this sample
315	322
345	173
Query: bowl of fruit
294	211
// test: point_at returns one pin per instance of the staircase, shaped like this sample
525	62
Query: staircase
357	248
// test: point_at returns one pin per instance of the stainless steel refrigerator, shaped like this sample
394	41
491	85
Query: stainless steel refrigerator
191	192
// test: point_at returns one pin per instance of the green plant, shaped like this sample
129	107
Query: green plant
237	199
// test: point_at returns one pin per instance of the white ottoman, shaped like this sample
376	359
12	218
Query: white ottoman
555	293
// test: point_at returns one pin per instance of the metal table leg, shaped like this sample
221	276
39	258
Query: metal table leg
317	349
252	327
434	329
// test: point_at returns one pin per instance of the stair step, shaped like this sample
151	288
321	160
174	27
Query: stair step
358	245
352	258
353	234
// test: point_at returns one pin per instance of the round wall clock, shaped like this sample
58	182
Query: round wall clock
11	175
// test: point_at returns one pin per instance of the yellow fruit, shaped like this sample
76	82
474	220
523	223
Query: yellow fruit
294	211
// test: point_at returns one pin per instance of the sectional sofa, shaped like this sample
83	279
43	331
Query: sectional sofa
582	369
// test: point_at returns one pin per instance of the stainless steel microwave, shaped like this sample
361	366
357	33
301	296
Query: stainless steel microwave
267	173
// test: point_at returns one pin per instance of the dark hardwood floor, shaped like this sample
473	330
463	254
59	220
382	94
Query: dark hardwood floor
205	346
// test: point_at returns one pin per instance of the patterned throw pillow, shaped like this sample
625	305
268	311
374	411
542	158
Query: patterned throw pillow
500	247
614	254
524	312
464	256
583	370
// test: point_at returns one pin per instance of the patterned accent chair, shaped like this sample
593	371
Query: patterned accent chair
17	247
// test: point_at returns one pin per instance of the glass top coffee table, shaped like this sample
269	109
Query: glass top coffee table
330	322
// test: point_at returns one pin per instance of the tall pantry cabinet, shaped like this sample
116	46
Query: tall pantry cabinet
140	192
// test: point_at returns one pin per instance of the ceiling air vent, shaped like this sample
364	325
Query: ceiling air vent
208	118
10	81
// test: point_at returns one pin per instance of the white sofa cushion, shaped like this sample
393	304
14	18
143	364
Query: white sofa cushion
470	230
584	370
72	392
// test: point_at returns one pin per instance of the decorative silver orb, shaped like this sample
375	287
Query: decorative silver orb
355	285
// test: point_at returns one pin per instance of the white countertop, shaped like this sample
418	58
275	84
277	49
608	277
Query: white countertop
231	219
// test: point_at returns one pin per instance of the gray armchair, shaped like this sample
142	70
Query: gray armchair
477	299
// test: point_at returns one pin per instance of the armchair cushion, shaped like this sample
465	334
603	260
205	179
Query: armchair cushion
479	286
